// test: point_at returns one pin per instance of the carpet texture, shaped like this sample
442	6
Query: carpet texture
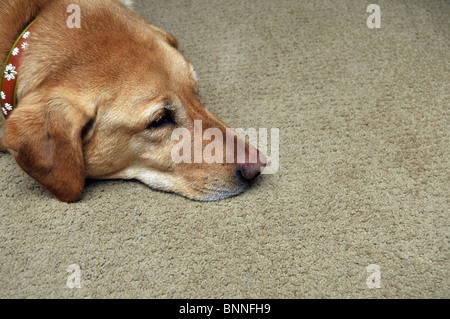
364	167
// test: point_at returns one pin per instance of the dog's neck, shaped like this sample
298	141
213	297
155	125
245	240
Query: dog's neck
14	18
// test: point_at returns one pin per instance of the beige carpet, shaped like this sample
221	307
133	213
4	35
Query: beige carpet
364	167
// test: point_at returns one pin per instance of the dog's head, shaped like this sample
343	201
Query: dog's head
106	106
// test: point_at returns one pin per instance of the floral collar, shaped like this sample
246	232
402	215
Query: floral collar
10	69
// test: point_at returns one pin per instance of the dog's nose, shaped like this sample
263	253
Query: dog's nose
251	168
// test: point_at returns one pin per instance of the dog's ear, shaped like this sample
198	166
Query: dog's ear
167	36
44	136
171	39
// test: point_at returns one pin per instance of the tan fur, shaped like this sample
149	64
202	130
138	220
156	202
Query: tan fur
86	97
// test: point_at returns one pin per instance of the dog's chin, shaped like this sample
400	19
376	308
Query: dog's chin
206	194
220	195
193	191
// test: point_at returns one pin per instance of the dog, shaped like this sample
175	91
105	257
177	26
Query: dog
102	100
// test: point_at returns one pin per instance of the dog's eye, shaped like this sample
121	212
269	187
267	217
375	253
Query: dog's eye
164	119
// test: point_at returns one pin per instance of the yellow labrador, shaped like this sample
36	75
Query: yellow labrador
102	101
